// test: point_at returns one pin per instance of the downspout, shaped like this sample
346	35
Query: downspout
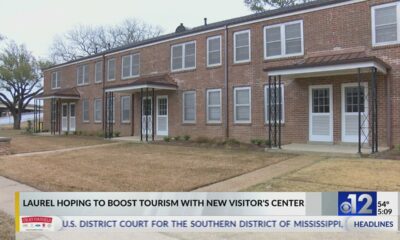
226	84
389	109
103	98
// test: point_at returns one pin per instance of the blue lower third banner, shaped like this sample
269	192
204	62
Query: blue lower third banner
207	212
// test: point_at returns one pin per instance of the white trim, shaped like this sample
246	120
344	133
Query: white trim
218	29
50	97
267	103
219	106
131	88
318	138
108	69
157	107
95	72
122	108
282	27
235	89
373	9
183	107
234	46
83	110
94	110
183	56
220	51
346	138
130	66
331	68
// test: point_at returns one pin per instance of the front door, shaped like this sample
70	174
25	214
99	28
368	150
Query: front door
162	116
350	112
321	117
147	117
64	117
72	117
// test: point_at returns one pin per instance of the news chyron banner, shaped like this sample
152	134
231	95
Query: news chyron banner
207	212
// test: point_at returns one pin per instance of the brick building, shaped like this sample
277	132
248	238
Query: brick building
335	64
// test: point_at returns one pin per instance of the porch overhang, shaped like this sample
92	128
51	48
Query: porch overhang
158	82
331	65
65	94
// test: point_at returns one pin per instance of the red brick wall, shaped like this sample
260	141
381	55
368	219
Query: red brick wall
331	31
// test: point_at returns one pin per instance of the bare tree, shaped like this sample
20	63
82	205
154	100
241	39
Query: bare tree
262	5
88	40
20	79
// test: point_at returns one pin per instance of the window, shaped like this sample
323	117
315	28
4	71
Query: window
55	80
320	98
111	109
98	76
280	99
214	106
85	110
97	110
242	47
242	102
125	109
183	56
189	107
214	51
111	70
82	75
283	40
351	99
386	24
130	66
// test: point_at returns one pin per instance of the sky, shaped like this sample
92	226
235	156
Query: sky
35	23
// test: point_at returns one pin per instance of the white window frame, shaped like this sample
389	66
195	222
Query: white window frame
122	109
266	103
236	105
220	51
95	72
183	56
83	110
57	80
130	66
183	107
108	69
374	8
282	27
219	106
234	46
94	110
85	68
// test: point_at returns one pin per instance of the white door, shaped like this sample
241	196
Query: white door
350	112
162	116
72	117
147	107
64	117
321	113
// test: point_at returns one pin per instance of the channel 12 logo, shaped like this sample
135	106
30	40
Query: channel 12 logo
357	204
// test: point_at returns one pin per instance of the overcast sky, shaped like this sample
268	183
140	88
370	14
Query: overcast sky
36	22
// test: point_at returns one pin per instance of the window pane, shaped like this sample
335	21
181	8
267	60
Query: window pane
293	31
293	46
242	48
242	39
99	72
177	57
274	49
385	15
135	64
242	54
214	113
190	55
97	110
162	106
386	33
273	34
243	113
214	51
243	96
214	44
214	98
85	110
320	100
189	107
125	108
214	58
111	69
126	65
86	74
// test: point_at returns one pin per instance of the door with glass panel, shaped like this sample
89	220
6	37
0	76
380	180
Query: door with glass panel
162	116
72	117
350	112
147	117
64	117
321	113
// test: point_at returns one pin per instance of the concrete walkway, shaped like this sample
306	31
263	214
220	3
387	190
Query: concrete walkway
261	175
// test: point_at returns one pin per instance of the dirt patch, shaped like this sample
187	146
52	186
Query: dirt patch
134	167
7	231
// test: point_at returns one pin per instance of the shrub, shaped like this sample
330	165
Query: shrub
231	141
66	133
100	134
117	134
186	137
75	133
257	142
29	128
203	140
267	142
177	138
167	139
